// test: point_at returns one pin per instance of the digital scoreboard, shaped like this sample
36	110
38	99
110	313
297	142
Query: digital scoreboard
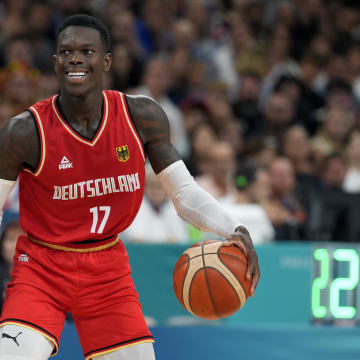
335	291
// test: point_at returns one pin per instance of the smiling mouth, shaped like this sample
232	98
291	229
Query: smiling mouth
76	75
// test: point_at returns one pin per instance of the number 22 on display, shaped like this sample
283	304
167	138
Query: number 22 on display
333	294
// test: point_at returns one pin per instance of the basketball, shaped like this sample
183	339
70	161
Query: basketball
210	280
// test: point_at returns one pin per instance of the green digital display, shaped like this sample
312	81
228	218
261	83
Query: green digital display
335	290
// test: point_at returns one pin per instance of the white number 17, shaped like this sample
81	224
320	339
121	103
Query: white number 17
95	212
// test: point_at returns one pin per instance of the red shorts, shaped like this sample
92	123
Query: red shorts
96	287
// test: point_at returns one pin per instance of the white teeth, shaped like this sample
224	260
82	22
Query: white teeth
76	74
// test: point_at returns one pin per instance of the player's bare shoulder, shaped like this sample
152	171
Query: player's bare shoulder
153	126
148	116
19	145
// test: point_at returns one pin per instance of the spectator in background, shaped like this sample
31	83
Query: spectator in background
260	150
333	172
9	235
246	104
218	170
6	112
127	69
352	177
283	208
157	220
296	146
152	27
279	115
252	187
155	84
202	138
47	83
123	30
333	134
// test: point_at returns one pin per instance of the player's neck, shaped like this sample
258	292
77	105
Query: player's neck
81	109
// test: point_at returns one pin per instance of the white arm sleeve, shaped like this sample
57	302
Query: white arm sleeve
5	189
194	204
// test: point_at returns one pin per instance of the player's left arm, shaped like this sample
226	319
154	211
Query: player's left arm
192	202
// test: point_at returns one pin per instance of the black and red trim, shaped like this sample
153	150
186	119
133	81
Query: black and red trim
32	326
118	346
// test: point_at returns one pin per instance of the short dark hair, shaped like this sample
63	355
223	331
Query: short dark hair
87	21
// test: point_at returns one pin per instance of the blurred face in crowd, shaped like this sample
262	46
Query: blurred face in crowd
296	145
338	124
184	33
249	88
334	171
121	63
221	160
19	50
282	176
261	187
279	110
9	242
197	13
122	25
81	50
156	78
39	19
203	139
340	98
155	13
280	41
19	88
354	58
353	149
6	112
154	190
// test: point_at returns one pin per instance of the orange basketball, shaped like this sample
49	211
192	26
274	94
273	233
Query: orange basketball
210	279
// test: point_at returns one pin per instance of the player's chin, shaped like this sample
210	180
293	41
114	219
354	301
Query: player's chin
76	90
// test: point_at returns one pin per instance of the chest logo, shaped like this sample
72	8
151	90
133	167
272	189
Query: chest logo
65	163
123	153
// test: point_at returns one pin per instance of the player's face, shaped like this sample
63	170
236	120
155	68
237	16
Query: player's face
80	60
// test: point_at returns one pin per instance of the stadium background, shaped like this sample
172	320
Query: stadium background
263	101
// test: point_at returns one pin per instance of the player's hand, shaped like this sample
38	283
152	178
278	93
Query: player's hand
242	239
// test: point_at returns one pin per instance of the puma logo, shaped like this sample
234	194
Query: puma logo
4	335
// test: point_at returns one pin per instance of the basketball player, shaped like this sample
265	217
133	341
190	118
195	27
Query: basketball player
80	160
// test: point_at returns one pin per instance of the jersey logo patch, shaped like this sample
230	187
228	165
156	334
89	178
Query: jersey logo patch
123	153
65	163
23	258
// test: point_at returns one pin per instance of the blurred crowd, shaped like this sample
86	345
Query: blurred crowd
262	97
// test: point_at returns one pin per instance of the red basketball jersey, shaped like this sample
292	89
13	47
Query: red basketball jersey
83	189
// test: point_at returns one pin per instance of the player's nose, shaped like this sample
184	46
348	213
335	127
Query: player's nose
76	58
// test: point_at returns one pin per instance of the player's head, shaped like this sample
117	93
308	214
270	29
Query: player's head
90	22
82	54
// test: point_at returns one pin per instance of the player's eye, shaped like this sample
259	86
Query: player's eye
88	51
64	52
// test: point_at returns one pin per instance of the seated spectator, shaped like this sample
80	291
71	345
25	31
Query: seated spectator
283	208
9	235
245	205
352	177
156	84
246	103
260	150
333	172
332	135
296	147
157	220
279	115
218	167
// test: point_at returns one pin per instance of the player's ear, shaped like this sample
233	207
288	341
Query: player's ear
107	61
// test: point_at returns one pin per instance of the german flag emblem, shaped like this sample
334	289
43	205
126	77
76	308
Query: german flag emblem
123	153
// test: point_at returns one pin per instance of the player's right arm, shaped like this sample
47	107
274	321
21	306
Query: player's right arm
19	147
